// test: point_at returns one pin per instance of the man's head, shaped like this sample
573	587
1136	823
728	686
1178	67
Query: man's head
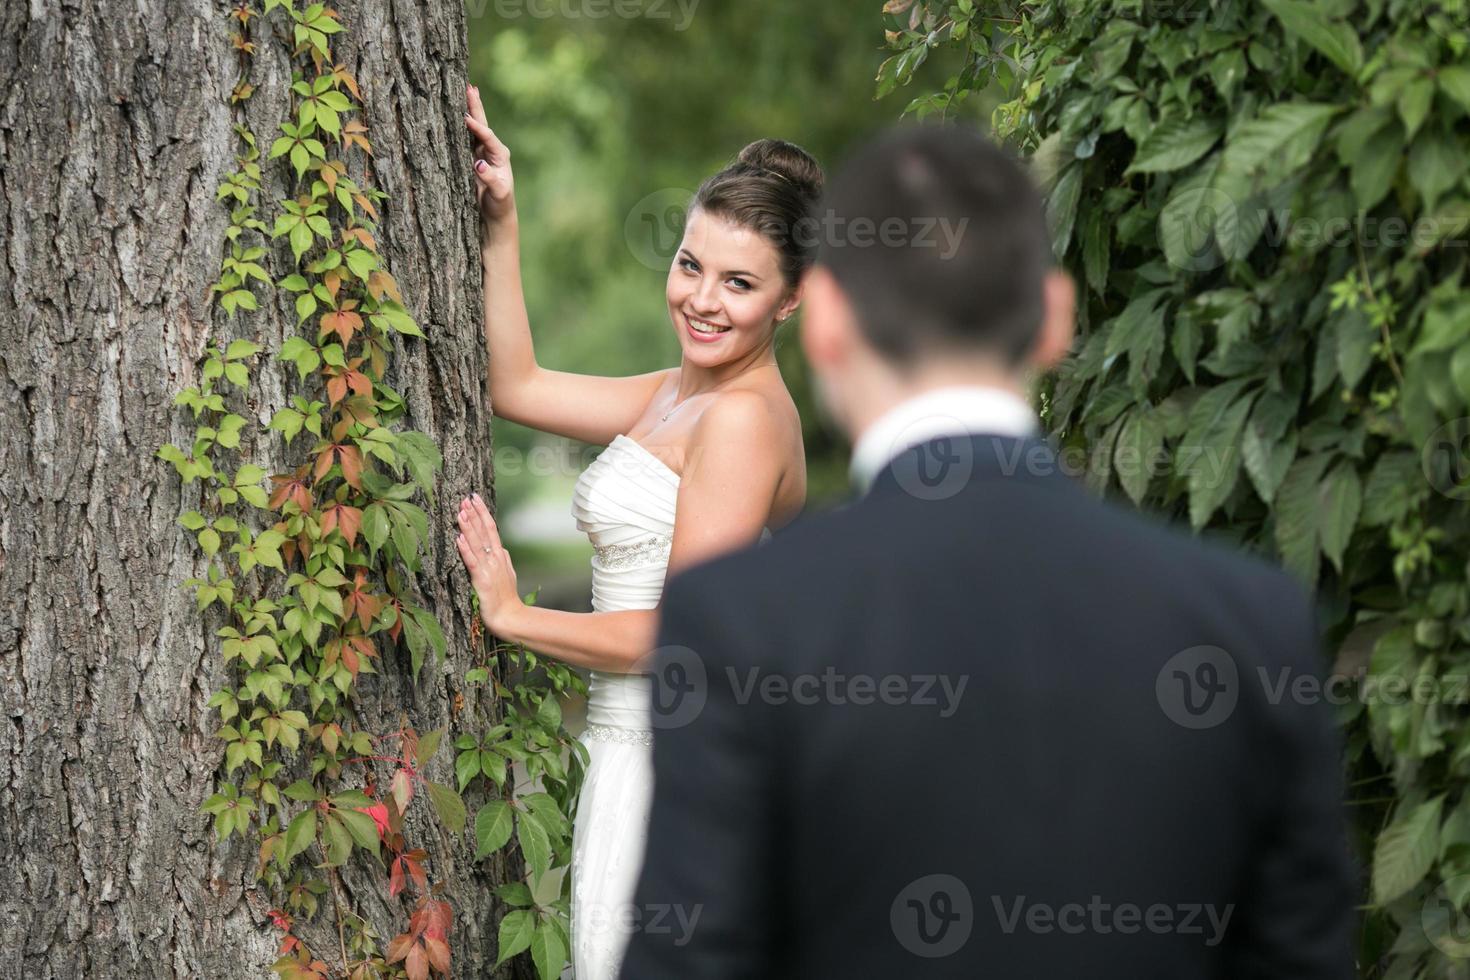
934	267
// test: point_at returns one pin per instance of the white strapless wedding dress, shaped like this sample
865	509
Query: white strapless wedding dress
624	501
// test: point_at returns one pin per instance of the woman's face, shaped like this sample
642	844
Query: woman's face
724	291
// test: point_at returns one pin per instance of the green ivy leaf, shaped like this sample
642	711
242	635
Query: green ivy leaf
548	951
1135	455
1334	38
375	526
1436	163
391	315
1296	517
1213	456
1174	144
515	893
241	348
339	841
301	833
1061	208
466	767
1405	851
1342	497
534	844
448	805
493	766
516	930
1284	135
1267	446
493	826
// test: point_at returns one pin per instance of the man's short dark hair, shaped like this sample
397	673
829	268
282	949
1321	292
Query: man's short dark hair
964	266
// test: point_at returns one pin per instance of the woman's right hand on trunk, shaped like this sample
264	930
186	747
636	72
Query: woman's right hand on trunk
494	185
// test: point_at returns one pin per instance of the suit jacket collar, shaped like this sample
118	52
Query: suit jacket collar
952	410
945	465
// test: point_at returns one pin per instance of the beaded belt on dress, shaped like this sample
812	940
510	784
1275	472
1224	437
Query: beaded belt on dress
612	733
634	553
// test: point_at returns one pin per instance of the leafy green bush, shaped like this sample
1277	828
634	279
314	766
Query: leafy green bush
1265	206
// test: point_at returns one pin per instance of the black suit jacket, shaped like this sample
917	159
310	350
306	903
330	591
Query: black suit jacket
979	723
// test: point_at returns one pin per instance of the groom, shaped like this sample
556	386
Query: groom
980	723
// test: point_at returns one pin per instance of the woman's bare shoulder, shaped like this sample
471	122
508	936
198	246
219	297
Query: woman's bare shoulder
763	418
765	412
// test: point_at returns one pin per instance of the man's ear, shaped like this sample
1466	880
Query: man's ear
827	321
1058	321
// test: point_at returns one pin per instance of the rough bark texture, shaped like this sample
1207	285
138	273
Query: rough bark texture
115	129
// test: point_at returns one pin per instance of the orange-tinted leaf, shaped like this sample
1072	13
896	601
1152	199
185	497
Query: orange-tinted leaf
397	626
417	963
344	76
349	520
399	947
368	607
364	237
344	323
351	461
379	282
438	951
324	462
359	409
363	646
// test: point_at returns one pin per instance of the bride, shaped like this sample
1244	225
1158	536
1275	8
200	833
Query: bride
701	458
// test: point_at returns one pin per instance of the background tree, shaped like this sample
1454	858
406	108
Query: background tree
1265	206
117	131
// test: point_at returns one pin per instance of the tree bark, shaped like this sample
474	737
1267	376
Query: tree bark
115	130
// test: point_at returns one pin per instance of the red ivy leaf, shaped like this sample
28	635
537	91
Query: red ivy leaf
396	881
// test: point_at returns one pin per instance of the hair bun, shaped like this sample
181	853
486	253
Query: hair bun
786	160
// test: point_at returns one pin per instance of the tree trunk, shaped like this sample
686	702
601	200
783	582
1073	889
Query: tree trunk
115	130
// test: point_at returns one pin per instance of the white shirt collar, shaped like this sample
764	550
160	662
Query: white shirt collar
952	410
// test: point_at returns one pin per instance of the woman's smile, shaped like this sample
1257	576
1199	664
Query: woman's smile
703	330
